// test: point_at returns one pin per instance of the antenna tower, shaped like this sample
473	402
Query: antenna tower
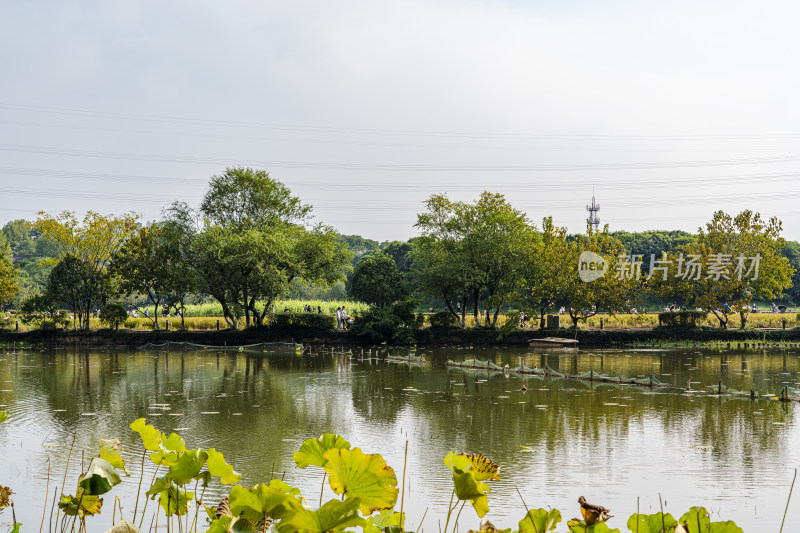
594	220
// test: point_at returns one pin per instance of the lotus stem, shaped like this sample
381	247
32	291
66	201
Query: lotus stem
139	490
661	502
322	487
787	500
146	500
449	510
46	494
536	529
66	468
197	507
421	521
50	525
455	526
403	485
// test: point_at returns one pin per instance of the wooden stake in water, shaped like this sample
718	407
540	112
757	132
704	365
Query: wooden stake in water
403	485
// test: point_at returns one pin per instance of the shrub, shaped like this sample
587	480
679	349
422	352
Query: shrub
113	315
43	313
443	319
301	320
681	319
395	324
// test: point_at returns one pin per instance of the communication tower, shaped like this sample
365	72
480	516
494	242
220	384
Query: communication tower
594	220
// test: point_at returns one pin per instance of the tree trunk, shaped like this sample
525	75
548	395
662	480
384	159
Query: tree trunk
723	322
496	312
475	311
743	315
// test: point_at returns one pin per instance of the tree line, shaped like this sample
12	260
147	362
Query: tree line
252	241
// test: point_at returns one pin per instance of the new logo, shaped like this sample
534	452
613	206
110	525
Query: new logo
591	266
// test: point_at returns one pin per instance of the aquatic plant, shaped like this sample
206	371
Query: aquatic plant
365	484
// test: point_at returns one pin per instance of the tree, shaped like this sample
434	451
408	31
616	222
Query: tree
616	289
113	315
244	198
734	260
377	280
256	242
80	286
8	273
480	248
93	241
548	270
791	251
151	263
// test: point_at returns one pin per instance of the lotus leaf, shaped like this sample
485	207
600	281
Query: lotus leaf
333	516
652	523
385	522
151	437
366	477
5	497
312	450
3	416
464	482
124	526
262	500
110	450
15	527
223	524
219	468
697	520
173	499
99	478
85	505
483	469
540	521
169	450
188	466
580	526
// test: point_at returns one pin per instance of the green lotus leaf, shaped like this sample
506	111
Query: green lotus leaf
188	466
159	485
482	468
219	468
464	482
99	477
652	523
3	416
366	477
312	450
697	520
151	437
261	501
580	526
169	450
15	527
223	524
68	505
388	521
124	526
110	450
540	521
333	516
172	498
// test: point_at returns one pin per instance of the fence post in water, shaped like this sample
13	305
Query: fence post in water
752	394
591	374
719	387
651	381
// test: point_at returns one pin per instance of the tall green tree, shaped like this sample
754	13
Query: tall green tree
256	241
733	260
80	286
8	273
376	280
473	250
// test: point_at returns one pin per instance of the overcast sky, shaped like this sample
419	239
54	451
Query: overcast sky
668	111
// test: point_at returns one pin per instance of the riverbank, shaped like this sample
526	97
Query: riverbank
425	337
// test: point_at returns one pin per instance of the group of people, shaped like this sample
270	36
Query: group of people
342	318
308	309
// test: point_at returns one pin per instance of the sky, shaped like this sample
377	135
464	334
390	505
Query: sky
664	111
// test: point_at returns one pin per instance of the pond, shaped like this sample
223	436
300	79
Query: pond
556	441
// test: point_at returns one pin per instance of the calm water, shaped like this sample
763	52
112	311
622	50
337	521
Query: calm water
559	440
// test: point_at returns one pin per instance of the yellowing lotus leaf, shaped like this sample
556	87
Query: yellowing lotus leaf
261	501
219	468
580	526
652	523
483	469
333	516
312	450
99	477
366	477
540	521
151	437
110	450
466	485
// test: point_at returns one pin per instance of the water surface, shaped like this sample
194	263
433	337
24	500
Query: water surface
556	441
